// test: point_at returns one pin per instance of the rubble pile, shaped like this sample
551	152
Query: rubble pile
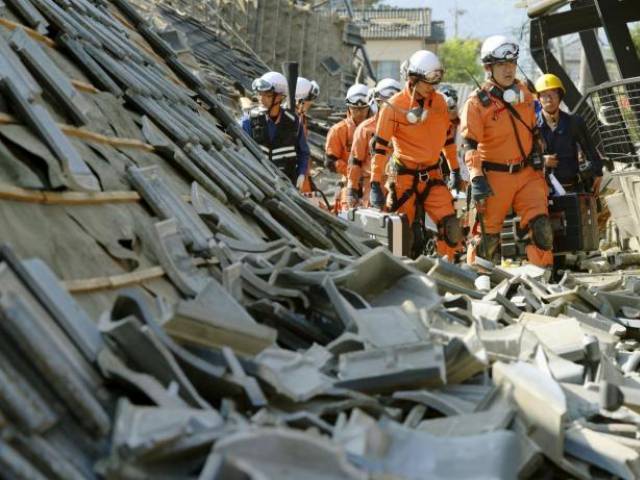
357	368
171	308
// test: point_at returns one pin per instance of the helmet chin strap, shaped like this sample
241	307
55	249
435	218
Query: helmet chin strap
273	105
493	79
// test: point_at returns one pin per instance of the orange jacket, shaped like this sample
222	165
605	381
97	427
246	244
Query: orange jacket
450	147
415	145
492	129
360	160
338	145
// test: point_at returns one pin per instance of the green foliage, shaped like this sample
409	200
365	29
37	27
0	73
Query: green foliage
635	35
459	56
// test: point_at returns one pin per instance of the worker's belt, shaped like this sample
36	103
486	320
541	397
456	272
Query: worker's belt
421	174
503	167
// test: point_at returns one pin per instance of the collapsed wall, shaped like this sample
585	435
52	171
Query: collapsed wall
322	42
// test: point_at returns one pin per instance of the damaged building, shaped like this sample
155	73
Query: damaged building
171	308
326	43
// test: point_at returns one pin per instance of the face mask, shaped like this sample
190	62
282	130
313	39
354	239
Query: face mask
417	115
512	95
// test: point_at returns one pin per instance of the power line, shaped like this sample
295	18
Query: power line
457	13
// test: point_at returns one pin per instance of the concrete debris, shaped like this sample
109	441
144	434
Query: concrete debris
292	374
391	368
171	308
529	386
392	450
287	454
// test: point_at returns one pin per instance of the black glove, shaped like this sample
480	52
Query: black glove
376	197
330	164
480	188
455	180
352	197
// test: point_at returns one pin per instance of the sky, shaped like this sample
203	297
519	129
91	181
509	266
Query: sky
482	17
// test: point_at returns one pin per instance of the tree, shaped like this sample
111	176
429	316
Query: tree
635	35
460	56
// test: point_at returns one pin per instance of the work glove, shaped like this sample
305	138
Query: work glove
480	189
300	181
376	197
352	197
551	161
330	164
455	180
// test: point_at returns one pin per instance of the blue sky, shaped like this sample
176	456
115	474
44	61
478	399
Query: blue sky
483	17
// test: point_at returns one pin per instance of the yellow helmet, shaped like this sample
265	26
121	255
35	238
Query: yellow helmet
549	81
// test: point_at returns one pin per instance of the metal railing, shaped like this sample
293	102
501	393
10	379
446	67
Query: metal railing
612	113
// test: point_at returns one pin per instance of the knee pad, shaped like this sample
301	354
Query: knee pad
489	247
450	230
541	232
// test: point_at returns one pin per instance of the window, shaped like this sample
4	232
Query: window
331	65
387	69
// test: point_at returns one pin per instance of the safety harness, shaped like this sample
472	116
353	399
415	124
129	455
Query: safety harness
532	159
421	175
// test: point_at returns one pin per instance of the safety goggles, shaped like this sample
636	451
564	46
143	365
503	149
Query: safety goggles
432	78
507	52
357	102
262	85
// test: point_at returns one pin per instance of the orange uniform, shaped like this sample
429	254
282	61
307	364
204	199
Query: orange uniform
523	188
359	170
338	144
416	156
450	148
338	148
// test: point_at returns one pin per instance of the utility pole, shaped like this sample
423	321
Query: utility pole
457	13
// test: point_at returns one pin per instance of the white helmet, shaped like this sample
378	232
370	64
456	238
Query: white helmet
498	48
315	90
303	87
271	82
357	95
386	88
425	65
307	90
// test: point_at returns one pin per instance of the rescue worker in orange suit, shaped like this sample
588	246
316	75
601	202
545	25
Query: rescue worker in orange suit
306	93
502	151
566	140
450	153
277	131
414	124
340	138
359	170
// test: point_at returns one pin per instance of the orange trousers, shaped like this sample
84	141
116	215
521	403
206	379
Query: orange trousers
438	204
527	193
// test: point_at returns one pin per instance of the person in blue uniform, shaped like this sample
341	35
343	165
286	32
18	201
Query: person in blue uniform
278	132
